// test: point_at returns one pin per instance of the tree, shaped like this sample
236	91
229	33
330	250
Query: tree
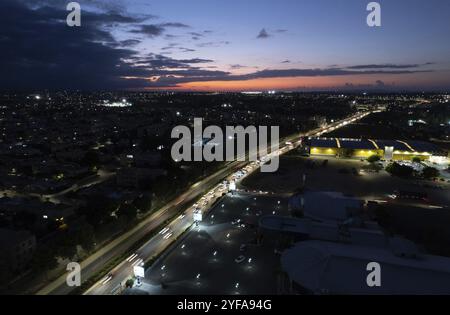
26	170
97	210
24	220
143	202
91	159
373	158
128	210
86	237
430	172
399	170
129	283
67	248
346	153
43	260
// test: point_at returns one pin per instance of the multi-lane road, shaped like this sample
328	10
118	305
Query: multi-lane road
159	242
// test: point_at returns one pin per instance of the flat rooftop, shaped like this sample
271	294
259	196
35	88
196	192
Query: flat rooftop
327	267
324	205
324	143
357	144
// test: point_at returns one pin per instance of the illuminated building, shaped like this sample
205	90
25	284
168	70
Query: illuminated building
396	150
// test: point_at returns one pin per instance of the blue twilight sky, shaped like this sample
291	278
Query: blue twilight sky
259	44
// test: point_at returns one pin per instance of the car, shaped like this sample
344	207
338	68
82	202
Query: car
106	279
240	259
243	247
235	221
163	231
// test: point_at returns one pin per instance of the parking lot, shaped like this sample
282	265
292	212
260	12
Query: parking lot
221	255
339	175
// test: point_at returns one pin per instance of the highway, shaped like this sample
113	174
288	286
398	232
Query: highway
120	245
159	242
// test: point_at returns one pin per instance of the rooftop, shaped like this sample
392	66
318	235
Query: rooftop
326	267
325	206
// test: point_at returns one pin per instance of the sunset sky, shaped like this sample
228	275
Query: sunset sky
218	45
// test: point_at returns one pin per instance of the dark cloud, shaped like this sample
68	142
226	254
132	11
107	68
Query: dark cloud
237	66
39	50
171	81
283	73
176	46
130	42
153	30
213	44
170	36
195	35
176	24
156	61
184	49
170	46
388	66
108	19
263	34
195	60
379	83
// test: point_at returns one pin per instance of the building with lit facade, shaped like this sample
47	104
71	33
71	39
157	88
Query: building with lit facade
396	150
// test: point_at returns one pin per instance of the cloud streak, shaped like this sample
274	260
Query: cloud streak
388	66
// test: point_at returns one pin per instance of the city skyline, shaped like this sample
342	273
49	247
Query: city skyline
225	46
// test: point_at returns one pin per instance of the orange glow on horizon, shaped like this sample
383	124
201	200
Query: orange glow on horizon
310	83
